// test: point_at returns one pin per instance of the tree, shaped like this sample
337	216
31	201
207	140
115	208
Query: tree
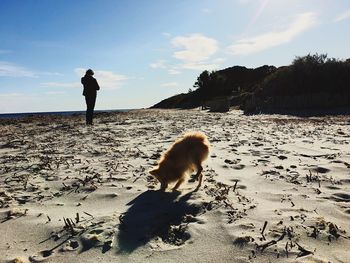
202	80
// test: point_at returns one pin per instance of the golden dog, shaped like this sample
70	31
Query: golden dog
185	155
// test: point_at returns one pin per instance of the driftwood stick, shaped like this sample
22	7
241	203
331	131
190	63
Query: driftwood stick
65	222
262	247
88	214
286	248
263	229
303	252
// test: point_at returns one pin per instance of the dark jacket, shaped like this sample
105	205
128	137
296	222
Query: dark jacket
90	86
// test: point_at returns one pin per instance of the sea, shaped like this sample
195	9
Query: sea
60	113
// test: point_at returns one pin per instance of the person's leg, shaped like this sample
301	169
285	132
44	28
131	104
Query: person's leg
87	109
90	104
92	107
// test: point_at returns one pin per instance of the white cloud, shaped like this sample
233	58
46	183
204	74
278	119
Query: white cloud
80	72
206	11
45	73
8	69
166	34
268	40
174	72
54	93
244	1
219	60
62	84
107	80
195	48
195	51
200	66
158	64
170	84
342	16
7	95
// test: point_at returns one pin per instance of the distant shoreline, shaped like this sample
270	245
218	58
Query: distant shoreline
60	113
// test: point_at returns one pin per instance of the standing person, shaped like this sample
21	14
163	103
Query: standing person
90	92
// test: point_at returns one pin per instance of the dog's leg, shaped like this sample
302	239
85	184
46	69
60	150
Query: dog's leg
199	175
181	180
200	178
163	186
199	170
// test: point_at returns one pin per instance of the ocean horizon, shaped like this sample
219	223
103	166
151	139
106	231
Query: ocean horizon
61	113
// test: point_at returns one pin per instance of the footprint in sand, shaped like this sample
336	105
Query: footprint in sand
230	161
112	195
332	187
99	237
71	245
320	170
340	197
42	256
263	161
242	241
345	181
238	166
257	144
282	157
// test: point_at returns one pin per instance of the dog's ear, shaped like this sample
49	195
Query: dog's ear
154	171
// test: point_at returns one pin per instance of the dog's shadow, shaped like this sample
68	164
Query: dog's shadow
151	214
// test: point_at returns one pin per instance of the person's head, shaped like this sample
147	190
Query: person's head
89	72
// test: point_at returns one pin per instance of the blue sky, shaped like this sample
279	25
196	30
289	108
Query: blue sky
144	51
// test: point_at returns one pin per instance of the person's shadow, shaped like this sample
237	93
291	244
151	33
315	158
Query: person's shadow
151	214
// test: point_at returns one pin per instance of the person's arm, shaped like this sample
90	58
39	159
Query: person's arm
82	80
97	86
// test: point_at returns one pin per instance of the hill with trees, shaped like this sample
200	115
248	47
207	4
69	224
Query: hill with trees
310	82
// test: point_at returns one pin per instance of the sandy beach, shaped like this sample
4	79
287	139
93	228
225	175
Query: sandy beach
276	188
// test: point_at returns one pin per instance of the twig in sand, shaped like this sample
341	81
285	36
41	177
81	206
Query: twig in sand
89	214
234	187
69	224
303	252
65	222
272	242
263	229
48	252
286	248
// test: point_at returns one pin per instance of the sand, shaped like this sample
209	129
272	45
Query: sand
276	189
